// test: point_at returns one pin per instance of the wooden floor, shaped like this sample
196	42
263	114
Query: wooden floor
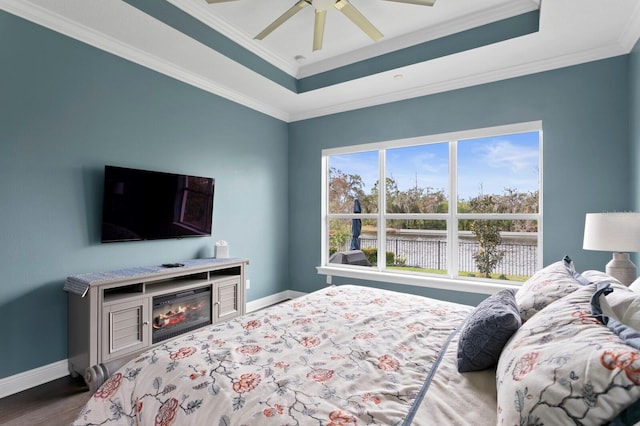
54	403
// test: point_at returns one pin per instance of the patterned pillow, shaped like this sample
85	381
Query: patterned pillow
486	330
565	367
548	285
625	327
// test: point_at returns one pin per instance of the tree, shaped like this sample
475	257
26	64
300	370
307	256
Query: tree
343	189
339	234
487	234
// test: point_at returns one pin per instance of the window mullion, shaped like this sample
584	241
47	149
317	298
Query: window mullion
540	198
324	223
452	223
382	211
499	216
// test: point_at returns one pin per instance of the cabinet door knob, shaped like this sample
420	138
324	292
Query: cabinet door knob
146	323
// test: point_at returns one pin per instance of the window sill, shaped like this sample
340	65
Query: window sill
443	283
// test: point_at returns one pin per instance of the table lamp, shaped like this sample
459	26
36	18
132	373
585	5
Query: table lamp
619	233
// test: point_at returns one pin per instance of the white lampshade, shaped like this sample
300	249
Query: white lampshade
618	233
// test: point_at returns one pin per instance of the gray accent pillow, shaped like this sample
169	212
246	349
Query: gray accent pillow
486	330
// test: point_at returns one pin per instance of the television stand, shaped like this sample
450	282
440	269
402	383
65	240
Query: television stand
112	316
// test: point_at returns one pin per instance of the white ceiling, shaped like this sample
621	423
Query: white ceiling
571	32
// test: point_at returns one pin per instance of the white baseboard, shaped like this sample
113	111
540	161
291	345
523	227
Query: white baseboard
273	299
38	376
31	378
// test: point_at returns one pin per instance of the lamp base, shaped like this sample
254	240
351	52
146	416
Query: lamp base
622	269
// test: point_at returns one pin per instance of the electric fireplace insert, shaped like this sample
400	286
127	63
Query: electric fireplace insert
177	313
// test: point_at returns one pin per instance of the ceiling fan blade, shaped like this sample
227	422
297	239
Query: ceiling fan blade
282	19
418	2
358	18
318	29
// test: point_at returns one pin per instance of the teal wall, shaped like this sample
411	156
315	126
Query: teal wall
66	110
634	124
586	157
634	128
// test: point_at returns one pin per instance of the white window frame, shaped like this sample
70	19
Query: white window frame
446	282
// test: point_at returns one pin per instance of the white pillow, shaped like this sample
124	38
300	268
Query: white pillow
599	276
635	286
622	304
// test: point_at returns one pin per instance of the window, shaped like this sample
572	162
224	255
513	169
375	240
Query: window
445	208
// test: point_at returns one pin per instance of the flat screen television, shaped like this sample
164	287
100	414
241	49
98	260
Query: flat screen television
150	205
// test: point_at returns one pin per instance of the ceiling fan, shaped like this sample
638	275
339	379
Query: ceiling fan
321	7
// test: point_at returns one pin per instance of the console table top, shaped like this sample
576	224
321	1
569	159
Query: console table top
80	284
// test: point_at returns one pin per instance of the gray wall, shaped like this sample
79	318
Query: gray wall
586	157
68	109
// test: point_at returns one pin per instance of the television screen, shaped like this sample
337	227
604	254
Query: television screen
148	205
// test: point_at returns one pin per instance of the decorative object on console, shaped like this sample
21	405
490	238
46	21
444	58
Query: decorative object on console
222	249
619	233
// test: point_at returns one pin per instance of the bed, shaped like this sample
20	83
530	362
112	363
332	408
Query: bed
353	355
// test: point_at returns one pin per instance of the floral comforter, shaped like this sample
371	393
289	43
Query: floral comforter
344	355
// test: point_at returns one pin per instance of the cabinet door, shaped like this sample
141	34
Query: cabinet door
125	328
227	299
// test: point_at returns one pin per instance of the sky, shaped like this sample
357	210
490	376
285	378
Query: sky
485	165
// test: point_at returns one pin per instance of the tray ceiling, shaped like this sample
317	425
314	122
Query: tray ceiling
290	46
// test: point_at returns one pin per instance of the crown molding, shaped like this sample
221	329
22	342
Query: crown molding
199	11
468	81
631	33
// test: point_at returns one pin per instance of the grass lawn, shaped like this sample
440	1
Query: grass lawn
517	278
